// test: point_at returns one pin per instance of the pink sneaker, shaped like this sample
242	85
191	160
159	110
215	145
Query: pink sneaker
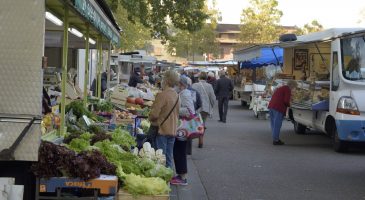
177	180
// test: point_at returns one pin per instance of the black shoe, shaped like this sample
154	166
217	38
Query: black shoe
200	146
224	121
220	121
279	142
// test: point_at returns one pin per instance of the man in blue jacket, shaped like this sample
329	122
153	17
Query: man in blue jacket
223	89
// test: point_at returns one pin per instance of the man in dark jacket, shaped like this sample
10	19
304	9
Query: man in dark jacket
104	81
135	78
223	89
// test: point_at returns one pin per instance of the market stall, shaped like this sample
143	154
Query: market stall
94	150
258	66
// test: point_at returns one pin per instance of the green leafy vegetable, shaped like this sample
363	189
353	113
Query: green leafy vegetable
104	106
136	184
80	144
123	138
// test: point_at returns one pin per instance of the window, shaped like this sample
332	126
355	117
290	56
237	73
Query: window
335	72
353	58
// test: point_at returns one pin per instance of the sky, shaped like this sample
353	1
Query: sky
329	13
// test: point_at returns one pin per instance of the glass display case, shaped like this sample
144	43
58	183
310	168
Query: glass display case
312	95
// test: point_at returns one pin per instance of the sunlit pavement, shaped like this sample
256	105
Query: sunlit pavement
238	161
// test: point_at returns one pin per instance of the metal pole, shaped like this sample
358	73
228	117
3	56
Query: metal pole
108	66
100	66
86	78
64	70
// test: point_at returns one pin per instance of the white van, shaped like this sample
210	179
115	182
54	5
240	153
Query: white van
333	94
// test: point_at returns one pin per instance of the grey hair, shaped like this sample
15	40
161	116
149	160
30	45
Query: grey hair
292	84
171	78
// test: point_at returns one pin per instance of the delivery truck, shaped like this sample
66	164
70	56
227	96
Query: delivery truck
330	69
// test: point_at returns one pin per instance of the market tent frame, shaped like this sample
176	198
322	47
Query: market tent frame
259	56
94	19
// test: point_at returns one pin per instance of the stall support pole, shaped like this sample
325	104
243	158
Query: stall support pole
64	70
100	58
86	78
108	66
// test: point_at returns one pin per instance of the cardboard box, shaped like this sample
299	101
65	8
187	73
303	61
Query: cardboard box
124	195
108	185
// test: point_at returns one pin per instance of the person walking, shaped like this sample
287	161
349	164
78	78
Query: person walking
206	92
211	79
223	89
165	114
278	105
186	111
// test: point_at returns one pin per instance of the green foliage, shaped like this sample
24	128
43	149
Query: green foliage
260	22
311	27
186	15
185	44
134	35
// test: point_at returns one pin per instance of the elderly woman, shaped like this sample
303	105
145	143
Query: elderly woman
186	110
278	105
206	92
165	113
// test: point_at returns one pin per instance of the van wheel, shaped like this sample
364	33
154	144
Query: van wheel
243	103
299	128
338	145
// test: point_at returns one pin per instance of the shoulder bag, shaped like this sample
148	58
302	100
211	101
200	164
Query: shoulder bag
190	127
153	130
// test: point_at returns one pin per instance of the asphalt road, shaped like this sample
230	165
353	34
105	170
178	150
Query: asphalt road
238	161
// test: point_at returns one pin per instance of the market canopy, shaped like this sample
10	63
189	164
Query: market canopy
259	56
93	13
213	63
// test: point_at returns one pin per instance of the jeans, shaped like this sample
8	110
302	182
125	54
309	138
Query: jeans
223	107
166	143
276	120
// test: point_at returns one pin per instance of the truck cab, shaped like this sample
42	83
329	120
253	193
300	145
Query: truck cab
330	95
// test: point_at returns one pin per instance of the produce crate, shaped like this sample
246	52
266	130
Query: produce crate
124	195
106	184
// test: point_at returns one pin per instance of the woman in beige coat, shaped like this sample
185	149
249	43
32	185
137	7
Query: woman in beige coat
164	103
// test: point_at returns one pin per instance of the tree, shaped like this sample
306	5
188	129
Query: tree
311	27
260	22
134	35
185	44
156	14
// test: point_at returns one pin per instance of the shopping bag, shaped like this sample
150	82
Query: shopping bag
190	128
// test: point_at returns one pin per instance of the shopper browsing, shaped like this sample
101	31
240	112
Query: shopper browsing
278	105
186	111
165	111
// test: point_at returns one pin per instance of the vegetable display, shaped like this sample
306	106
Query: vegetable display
57	161
89	150
136	184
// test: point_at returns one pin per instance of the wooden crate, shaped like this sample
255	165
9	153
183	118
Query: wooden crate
124	195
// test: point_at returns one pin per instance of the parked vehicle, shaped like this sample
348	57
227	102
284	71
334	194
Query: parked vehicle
331	93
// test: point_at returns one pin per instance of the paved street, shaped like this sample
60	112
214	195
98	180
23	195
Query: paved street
239	161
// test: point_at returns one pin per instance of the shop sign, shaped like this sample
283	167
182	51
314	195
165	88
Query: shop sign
88	10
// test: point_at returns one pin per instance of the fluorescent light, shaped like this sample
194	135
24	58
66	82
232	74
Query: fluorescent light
53	19
91	41
75	32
